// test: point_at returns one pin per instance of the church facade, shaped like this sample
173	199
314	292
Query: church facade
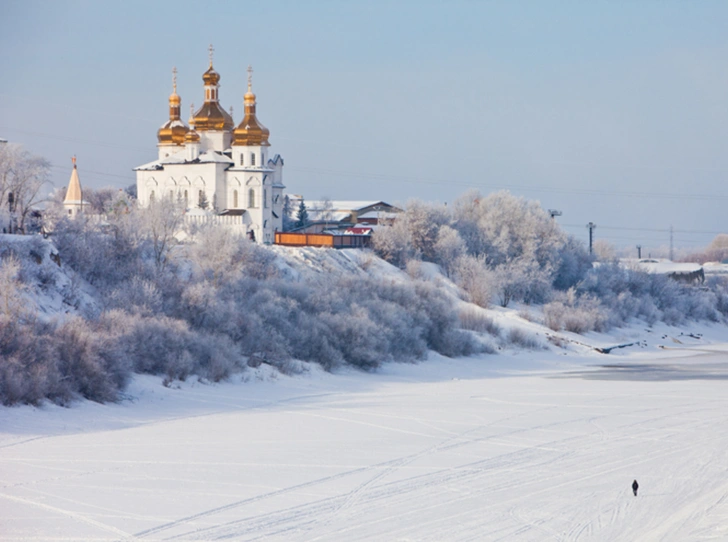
215	167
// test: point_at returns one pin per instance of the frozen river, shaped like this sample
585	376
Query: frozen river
445	450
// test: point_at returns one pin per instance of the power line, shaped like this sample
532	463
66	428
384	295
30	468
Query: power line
664	230
84	171
421	180
472	184
72	139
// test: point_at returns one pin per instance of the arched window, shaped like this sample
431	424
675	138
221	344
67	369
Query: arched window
151	196
187	198
265	198
251	198
235	199
171	194
252	158
242	159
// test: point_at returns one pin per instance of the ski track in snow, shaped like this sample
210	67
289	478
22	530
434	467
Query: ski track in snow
528	458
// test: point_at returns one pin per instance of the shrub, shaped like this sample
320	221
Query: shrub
476	320
522	339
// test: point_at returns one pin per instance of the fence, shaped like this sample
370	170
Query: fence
322	240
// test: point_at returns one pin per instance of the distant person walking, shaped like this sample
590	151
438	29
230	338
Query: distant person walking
635	487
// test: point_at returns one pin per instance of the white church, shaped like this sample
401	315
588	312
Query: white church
214	167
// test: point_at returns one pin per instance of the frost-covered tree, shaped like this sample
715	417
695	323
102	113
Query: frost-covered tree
448	248
11	288
327	207
159	223
393	242
604	250
505	227
100	200
22	176
472	274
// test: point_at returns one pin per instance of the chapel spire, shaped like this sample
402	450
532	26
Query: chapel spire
73	202
173	131
250	131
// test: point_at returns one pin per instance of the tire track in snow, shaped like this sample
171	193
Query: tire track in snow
332	504
72	515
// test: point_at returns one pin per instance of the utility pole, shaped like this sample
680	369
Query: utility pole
591	226
639	252
671	255
554	213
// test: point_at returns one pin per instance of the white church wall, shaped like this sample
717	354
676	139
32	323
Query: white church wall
214	140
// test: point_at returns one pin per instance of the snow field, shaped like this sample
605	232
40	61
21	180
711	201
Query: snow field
464	449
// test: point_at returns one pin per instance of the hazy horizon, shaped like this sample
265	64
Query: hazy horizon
614	113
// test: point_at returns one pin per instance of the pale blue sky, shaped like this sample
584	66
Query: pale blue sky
614	112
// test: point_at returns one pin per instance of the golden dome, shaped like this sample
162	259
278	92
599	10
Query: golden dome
211	77
192	137
173	131
211	116
250	131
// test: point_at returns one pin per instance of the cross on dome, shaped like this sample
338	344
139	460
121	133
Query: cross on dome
174	78
73	159
250	77
211	49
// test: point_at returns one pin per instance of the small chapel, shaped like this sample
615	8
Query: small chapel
214	167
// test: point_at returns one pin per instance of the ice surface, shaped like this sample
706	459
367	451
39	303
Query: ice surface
520	446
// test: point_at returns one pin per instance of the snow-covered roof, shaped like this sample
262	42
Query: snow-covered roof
662	266
213	156
715	268
339	205
377	214
181	158
338	210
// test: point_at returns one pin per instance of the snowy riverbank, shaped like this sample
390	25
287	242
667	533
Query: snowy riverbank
519	446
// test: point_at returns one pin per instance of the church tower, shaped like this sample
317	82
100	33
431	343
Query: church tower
257	180
171	135
73	203
211	121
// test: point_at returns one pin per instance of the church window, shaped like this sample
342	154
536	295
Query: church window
186	198
265	198
251	198
252	158
171	194
151	196
70	212
235	199
242	159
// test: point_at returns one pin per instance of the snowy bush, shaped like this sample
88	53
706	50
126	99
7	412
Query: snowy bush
476	320
472	275
523	339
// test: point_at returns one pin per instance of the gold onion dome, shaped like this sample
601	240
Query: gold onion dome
173	131
211	116
192	137
211	77
250	131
